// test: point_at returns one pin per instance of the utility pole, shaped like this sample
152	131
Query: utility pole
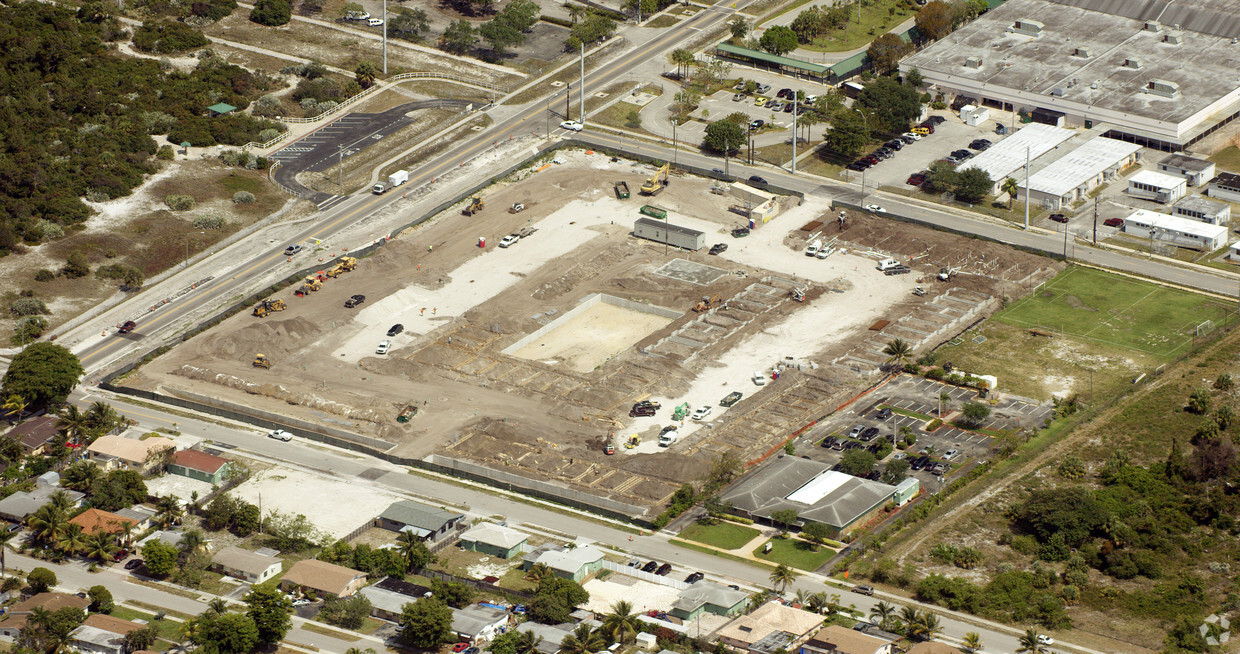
1095	223
568	98
794	132
340	166
385	37
675	146
583	84
1027	188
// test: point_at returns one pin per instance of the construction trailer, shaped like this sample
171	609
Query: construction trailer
674	235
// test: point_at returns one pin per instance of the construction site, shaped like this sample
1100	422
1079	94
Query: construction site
523	356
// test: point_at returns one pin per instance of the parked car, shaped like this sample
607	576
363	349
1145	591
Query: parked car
916	179
694	578
883	414
508	240
962	154
869	434
757	123
950	454
737	97
856	431
383	347
922	131
757	180
740	85
864	590
857	166
764	88
291	250
1059	218
280	435
895	144
873	475
702	412
641	411
980	144
760	101
374	22
664	569
650	566
789	108
740	232
354	300
829	441
460	647
133	564
395	329
935	120
719	248
1113	222
910	137
785	93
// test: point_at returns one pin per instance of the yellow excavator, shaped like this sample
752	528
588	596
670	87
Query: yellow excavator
310	285
654	185
475	205
268	306
261	361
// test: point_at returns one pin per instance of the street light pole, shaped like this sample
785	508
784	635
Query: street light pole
385	37
794	132
675	145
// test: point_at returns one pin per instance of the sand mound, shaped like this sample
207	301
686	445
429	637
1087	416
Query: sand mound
354	406
270	336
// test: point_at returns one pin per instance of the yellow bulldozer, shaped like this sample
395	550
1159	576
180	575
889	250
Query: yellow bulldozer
310	285
261	361
654	185
707	303
346	264
475	205
268	306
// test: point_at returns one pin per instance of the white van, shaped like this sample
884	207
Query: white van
887	264
759	379
813	248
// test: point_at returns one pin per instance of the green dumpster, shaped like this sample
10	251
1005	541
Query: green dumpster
654	212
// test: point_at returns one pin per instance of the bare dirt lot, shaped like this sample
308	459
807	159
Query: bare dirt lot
548	416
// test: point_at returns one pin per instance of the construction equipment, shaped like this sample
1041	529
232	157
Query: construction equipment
517	207
632	442
622	190
707	303
261	361
268	306
475	205
654	185
798	294
945	274
310	285
653	212
681	411
346	264
919	291
407	413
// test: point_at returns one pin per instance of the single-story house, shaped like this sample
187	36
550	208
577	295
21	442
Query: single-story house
709	597
574	562
36	434
103	634
168	537
116	452
323	578
18	506
428	522
772	626
15	620
838	640
552	635
142	516
93	521
493	539
478	623
811	489
246	565
933	647
389	596
199	465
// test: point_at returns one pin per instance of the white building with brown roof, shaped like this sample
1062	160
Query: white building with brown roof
323	578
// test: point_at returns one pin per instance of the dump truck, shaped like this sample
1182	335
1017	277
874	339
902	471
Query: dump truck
475	205
268	306
654	185
261	361
622	190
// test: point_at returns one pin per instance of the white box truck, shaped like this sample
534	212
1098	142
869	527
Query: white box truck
395	179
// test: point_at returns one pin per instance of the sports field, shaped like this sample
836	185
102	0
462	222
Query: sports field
1117	310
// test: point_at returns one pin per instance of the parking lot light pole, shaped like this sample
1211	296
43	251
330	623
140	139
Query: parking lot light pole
675	146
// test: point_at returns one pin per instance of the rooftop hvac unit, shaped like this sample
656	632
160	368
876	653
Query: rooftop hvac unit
1081	52
1028	27
1174	38
1152	26
973	62
1132	63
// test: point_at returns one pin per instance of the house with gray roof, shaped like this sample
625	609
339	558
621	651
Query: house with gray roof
817	494
476	622
575	562
709	597
246	565
552	635
389	596
18	506
428	522
493	539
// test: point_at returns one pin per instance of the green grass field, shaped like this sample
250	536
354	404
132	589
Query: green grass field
725	535
1118	311
794	554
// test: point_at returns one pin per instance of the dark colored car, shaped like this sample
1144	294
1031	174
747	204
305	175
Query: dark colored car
979	144
883	414
874	475
757	180
640	410
785	93
928	126
1059	218
961	154
354	301
719	248
134	564
864	590
916	179
869	434
915	464
857	166
694	578
664	569
935	120
127	327
829	441
740	232
895	144
650	566
757	123
1113	222
396	329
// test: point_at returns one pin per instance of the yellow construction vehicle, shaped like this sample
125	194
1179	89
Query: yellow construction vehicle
310	285
261	361
654	185
632	442
268	306
707	303
346	264
475	205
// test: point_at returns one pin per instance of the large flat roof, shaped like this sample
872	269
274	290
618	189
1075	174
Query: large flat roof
1009	155
1175	223
1202	65
1080	166
811	489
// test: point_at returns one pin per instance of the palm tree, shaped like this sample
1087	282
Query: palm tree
73	423
218	606
47	523
169	512
782	577
101	546
14	406
413	550
72	540
898	350
802	597
538	572
61	501
884	612
817	602
583	640
1010	187
972	642
191	541
621	623
101	413
1031	643
908	615
575	12
683	58
526	642
80	475
925	627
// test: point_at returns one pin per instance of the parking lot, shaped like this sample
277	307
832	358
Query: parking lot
949	135
865	424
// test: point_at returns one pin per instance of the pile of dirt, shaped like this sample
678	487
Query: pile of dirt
270	336
355	409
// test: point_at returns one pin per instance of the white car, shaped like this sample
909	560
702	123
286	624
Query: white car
874	208
509	240
910	135
280	435
1045	640
374	22
383	347
950	454
701	412
572	125
759	379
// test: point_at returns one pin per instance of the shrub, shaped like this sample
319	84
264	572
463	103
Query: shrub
157	122
28	306
47	229
209	221
28	329
243	197
934	424
935	374
271	13
179	202
165	153
44	275
167	37
1199	401
76	265
1224	382
268	134
268	105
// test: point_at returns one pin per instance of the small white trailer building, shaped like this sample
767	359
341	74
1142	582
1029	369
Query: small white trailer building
1159	187
1173	230
1196	171
1203	209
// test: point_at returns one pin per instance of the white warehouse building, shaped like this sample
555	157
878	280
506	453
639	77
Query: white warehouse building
1073	176
1007	157
1158	73
1173	230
